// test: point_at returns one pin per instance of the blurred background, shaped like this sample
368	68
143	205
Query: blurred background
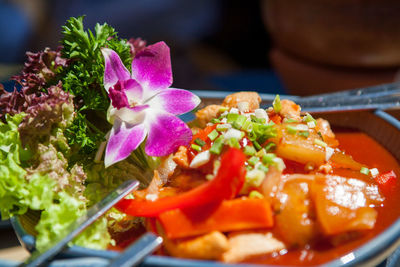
272	46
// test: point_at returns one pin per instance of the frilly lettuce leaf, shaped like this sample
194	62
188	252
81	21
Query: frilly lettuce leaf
56	218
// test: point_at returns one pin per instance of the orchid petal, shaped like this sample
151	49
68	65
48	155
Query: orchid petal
133	91
114	69
151	67
131	115
123	140
166	133
174	101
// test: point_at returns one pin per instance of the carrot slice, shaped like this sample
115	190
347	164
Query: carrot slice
229	215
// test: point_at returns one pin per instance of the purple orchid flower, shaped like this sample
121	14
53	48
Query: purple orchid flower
143	104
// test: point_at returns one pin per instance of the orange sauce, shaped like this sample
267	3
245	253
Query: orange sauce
365	150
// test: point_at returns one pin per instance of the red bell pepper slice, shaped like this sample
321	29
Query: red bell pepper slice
386	181
225	185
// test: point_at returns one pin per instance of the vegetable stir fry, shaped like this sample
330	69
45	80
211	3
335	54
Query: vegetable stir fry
238	182
270	177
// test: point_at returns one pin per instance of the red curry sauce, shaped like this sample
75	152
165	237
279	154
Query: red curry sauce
367	151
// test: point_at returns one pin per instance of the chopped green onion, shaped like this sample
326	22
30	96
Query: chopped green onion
270	146
261	153
252	136
238	123
233	142
247	126
213	135
196	147
253	160
277	104
223	109
216	148
364	170
223	127
257	145
304	134
309	118
214	120
255	194
249	151
263	168
291	129
232	117
199	142
268	158
290	121
320	143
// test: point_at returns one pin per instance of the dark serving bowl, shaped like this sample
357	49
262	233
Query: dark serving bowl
382	126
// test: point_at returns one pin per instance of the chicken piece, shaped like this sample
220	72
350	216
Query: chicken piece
249	244
167	167
207	247
295	220
324	128
344	204
290	110
252	98
181	157
203	116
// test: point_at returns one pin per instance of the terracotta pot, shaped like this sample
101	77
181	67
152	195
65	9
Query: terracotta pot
302	77
353	33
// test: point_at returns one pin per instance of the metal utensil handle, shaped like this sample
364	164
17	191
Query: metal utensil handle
384	89
39	258
136	252
354	103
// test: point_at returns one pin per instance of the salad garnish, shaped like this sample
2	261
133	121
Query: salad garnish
55	120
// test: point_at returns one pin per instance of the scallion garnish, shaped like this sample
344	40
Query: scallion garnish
233	142
270	146
216	148
268	158
238	123
304	134
263	168
199	142
249	151
309	118
261	152
196	147
364	170
291	129
232	117
223	127
214	134
255	194
290	121
257	145
320	143
223	109
277	104
253	160
215	120
247	126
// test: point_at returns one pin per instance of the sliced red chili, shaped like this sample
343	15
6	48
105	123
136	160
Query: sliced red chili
225	185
